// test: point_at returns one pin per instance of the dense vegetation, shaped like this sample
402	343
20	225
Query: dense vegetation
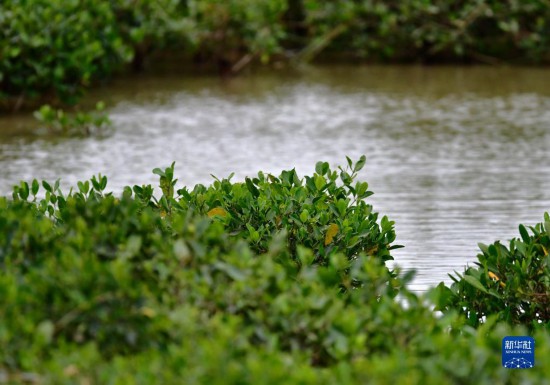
51	50
276	279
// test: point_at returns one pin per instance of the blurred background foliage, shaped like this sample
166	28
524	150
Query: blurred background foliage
51	50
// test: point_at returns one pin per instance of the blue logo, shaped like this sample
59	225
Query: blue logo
518	352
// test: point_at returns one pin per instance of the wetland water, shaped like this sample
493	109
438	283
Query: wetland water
455	156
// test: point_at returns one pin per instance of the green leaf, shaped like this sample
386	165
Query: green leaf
35	187
322	168
441	296
253	190
360	163
24	190
346	178
319	168
164	203
484	248
524	234
46	186
126	192
169	171
83	187
96	185
361	189
350	162
254	235
320	182
159	172
475	283
342	206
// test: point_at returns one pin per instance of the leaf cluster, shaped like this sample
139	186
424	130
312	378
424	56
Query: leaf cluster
52	50
511	283
485	31
79	124
326	212
55	48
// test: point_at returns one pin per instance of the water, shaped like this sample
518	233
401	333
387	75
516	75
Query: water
455	156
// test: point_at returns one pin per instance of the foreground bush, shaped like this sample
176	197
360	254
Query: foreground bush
135	289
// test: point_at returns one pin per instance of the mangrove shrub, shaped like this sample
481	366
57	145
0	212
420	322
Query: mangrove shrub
145	288
51	50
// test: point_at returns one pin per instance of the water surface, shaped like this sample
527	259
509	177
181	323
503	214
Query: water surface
455	156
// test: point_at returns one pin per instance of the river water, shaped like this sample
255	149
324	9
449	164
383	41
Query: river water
455	156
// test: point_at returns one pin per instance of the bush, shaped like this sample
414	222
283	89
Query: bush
325	212
114	259
235	31
80	124
55	48
480	31
511	283
52	50
134	289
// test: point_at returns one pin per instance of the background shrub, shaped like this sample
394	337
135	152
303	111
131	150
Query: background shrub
464	31
53	50
56	48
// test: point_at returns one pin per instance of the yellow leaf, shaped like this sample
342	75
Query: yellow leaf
372	251
331	232
217	211
148	312
494	276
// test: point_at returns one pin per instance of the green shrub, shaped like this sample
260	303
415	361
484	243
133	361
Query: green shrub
55	48
228	31
151	26
51	50
487	31
79	124
134	289
113	258
325	212
511	283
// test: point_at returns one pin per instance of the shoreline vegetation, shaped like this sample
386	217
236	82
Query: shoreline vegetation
53	51
275	279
